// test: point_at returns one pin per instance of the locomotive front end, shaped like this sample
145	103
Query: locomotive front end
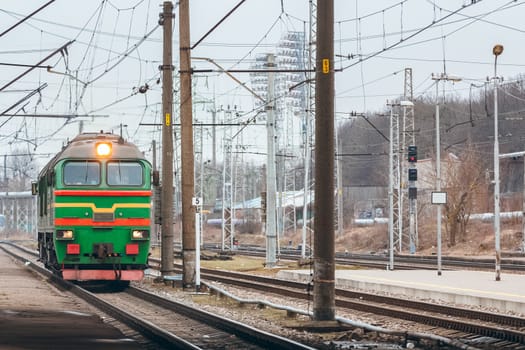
101	199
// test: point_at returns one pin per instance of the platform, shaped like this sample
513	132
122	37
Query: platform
36	315
459	287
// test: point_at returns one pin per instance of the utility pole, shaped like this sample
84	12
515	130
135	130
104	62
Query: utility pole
187	162
324	250
438	180
339	177
497	50
166	19
437	78
214	137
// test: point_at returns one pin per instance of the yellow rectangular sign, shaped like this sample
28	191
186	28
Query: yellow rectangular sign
168	119
326	65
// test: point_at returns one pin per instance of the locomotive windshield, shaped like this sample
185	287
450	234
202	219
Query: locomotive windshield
124	174
81	173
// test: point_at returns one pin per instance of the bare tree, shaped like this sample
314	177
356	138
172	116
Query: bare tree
23	170
464	178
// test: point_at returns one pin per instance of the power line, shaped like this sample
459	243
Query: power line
410	36
63	116
22	65
25	18
63	47
373	13
218	23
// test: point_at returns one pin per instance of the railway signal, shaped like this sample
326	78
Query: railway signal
412	174
412	154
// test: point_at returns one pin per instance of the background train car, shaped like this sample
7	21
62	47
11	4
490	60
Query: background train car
94	210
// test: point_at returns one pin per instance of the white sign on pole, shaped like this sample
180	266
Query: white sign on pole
196	201
439	198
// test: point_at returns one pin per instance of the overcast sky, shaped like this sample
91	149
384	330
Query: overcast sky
117	48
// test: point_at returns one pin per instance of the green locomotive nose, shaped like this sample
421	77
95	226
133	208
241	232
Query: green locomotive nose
95	207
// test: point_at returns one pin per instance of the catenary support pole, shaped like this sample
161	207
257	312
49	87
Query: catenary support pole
324	250
271	184
438	181
166	19
187	169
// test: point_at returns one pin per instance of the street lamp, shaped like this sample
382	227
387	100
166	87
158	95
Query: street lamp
442	76
496	50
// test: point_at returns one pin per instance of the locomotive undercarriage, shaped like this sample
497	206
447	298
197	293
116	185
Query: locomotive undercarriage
46	250
106	267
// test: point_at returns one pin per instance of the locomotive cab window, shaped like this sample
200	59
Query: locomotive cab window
84	173
124	174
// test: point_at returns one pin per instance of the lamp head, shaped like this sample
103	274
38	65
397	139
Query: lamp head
454	78
497	49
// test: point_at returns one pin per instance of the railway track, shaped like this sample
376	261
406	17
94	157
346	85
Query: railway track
170	324
464	326
472	326
200	328
511	263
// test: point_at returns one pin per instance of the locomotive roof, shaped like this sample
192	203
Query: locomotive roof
83	146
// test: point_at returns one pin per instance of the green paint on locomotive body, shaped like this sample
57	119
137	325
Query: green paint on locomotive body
101	215
126	213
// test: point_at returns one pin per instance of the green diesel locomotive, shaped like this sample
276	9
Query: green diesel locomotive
94	204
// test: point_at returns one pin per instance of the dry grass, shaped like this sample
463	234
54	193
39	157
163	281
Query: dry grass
479	239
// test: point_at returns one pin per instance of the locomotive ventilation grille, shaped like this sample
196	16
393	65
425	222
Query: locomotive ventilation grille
103	217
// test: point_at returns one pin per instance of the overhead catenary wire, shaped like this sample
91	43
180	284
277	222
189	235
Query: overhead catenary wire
36	65
26	18
121	85
79	102
409	37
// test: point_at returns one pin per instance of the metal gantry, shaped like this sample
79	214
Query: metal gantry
395	223
309	121
409	139
227	187
20	211
290	103
396	178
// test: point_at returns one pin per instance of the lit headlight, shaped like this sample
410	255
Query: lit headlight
64	234
139	234
103	149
